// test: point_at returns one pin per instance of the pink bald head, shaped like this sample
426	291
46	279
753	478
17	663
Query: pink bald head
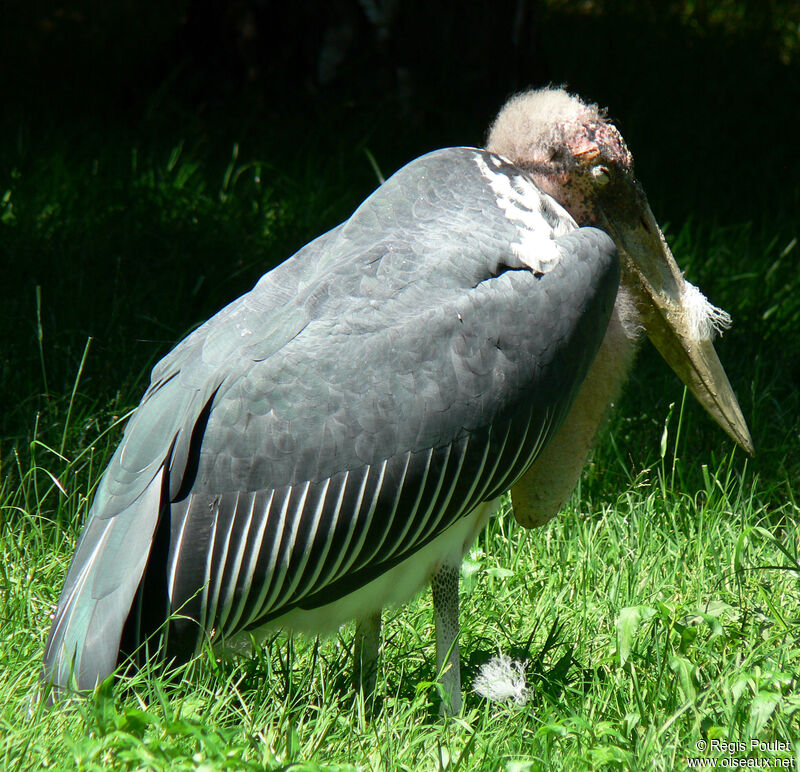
567	145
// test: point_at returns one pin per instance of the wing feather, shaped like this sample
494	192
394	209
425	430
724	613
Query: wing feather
317	556
308	521
344	533
375	478
432	487
392	486
221	575
247	588
270	577
84	639
240	536
452	472
413	492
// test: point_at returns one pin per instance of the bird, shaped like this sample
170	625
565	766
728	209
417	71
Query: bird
334	440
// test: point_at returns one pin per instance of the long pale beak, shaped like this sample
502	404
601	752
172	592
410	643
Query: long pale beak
678	319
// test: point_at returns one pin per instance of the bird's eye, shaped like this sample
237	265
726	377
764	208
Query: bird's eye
600	175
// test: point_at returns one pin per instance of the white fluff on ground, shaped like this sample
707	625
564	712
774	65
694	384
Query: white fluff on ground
502	679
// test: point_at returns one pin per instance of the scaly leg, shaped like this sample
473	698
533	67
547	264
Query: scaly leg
444	587
365	654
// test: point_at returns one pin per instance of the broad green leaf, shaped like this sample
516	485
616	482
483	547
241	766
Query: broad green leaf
499	573
627	623
685	671
761	708
521	766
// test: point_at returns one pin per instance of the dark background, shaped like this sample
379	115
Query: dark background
157	157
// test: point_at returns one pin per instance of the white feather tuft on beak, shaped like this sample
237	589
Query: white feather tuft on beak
703	319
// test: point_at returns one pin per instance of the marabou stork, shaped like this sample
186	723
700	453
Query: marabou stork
336	438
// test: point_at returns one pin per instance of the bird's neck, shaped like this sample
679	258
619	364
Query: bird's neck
571	191
544	489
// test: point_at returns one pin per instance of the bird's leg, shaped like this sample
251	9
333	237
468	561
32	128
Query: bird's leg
444	587
365	654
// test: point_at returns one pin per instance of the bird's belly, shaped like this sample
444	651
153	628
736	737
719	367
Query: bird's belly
397	585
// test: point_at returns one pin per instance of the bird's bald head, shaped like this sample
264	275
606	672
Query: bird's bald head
566	144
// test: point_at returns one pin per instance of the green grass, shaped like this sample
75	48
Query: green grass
661	608
652	619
